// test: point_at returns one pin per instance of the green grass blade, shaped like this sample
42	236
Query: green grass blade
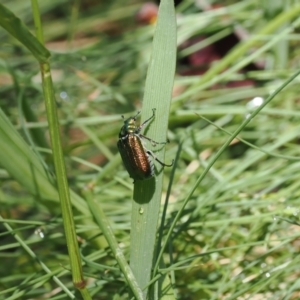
218	154
103	223
23	164
158	92
17	29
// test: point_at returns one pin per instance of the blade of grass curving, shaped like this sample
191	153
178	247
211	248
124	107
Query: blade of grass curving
158	92
213	160
24	165
17	29
20	162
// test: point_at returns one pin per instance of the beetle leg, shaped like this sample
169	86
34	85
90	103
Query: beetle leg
163	164
145	122
153	143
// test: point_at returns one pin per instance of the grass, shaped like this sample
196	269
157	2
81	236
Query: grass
230	226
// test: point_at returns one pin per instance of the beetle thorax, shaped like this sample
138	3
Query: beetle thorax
129	127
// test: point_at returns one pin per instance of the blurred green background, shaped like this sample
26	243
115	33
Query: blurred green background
238	237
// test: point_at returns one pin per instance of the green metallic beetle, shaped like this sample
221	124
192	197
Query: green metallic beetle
135	156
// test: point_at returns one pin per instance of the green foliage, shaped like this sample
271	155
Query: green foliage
237	231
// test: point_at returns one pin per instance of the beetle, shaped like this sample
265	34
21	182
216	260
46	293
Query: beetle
135	156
